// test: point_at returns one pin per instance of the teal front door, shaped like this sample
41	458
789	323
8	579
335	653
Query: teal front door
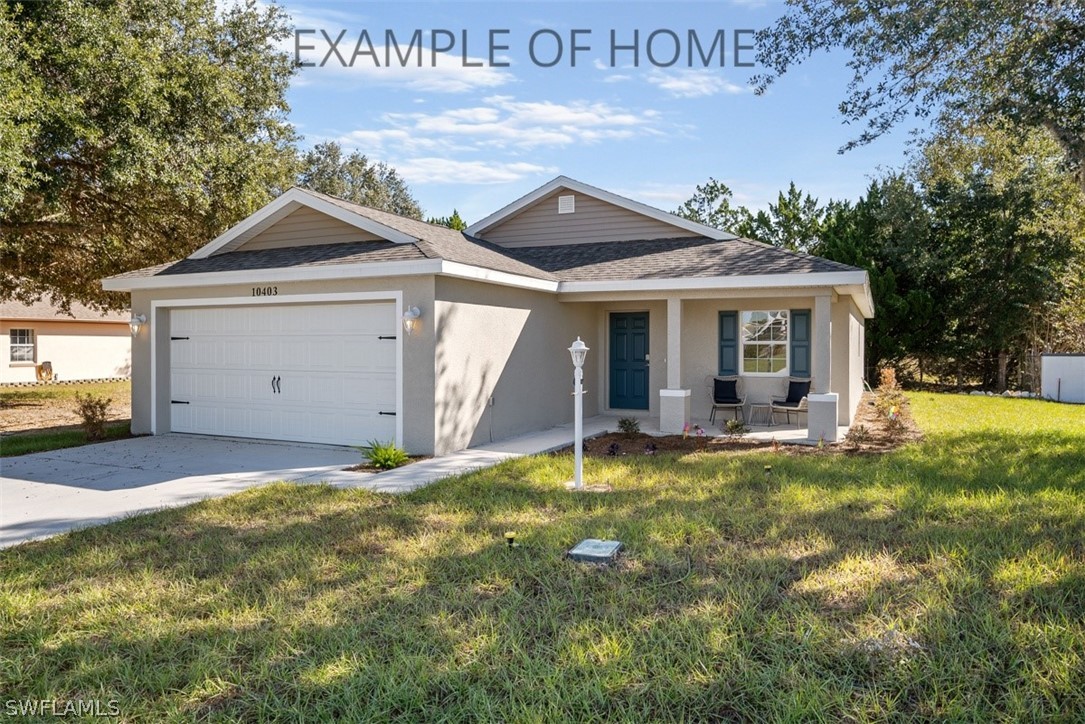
629	360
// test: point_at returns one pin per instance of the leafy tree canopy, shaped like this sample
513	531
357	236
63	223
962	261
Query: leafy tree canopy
1016	60
132	132
325	168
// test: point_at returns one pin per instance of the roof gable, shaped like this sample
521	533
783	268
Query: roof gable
287	204
596	215
306	227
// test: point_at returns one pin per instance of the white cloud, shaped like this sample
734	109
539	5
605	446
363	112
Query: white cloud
446	170
502	122
693	83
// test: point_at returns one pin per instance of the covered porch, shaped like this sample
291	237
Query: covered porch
659	354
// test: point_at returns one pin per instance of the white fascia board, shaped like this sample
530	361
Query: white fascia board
297	274
286	204
480	227
753	281
466	271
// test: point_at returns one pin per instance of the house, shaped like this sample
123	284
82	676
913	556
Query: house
82	344
319	320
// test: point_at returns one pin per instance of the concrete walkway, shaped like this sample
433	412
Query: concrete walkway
43	494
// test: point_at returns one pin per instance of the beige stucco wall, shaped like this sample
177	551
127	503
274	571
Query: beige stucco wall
418	349
510	345
77	350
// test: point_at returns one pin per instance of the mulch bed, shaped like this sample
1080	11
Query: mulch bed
879	439
367	467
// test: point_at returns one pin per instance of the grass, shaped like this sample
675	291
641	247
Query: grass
14	395
944	581
32	442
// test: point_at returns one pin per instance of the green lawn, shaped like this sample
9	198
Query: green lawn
943	581
31	442
13	394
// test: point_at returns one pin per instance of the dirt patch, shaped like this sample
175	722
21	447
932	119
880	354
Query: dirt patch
48	406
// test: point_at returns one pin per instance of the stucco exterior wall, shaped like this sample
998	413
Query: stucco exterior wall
77	350
508	345
418	349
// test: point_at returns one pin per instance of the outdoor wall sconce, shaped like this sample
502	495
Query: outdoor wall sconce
410	320
137	321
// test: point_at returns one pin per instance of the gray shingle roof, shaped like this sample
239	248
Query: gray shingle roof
671	259
644	259
45	309
356	252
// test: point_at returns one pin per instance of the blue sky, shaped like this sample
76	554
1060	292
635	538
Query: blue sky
475	138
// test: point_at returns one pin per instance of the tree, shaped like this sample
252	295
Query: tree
1008	224
793	222
325	168
453	222
711	205
1017	60
131	133
886	232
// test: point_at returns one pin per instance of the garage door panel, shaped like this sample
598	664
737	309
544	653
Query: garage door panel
334	375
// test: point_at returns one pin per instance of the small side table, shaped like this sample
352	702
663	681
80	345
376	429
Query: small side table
761	413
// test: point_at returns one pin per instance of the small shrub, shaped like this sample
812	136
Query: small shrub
93	410
857	436
887	380
384	455
735	428
629	425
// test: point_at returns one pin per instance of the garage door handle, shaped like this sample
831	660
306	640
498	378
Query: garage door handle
387	413
275	385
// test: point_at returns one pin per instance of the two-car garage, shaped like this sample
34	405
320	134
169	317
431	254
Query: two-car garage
318	373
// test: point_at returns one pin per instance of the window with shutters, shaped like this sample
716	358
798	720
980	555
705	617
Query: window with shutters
765	342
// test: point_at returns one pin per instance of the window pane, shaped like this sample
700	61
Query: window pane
22	345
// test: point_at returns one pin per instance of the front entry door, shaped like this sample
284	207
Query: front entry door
629	360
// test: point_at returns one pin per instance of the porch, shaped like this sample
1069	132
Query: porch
658	356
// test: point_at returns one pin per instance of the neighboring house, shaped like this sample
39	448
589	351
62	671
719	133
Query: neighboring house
82	345
290	325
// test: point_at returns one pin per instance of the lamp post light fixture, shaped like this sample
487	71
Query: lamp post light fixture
137	321
410	319
579	352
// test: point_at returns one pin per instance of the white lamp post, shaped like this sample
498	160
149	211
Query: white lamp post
579	352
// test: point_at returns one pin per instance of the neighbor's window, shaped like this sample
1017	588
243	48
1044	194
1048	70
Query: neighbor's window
764	342
22	345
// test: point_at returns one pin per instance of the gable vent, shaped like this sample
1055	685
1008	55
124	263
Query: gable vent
566	204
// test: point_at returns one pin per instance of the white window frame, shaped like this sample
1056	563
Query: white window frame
743	319
13	345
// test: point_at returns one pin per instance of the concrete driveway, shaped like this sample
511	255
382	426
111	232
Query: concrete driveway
47	493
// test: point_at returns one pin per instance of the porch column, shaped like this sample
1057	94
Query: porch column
674	401
822	357
821	403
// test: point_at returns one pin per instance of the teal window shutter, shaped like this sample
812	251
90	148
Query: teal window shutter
728	343
800	342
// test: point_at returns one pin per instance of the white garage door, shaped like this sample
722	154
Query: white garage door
322	373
